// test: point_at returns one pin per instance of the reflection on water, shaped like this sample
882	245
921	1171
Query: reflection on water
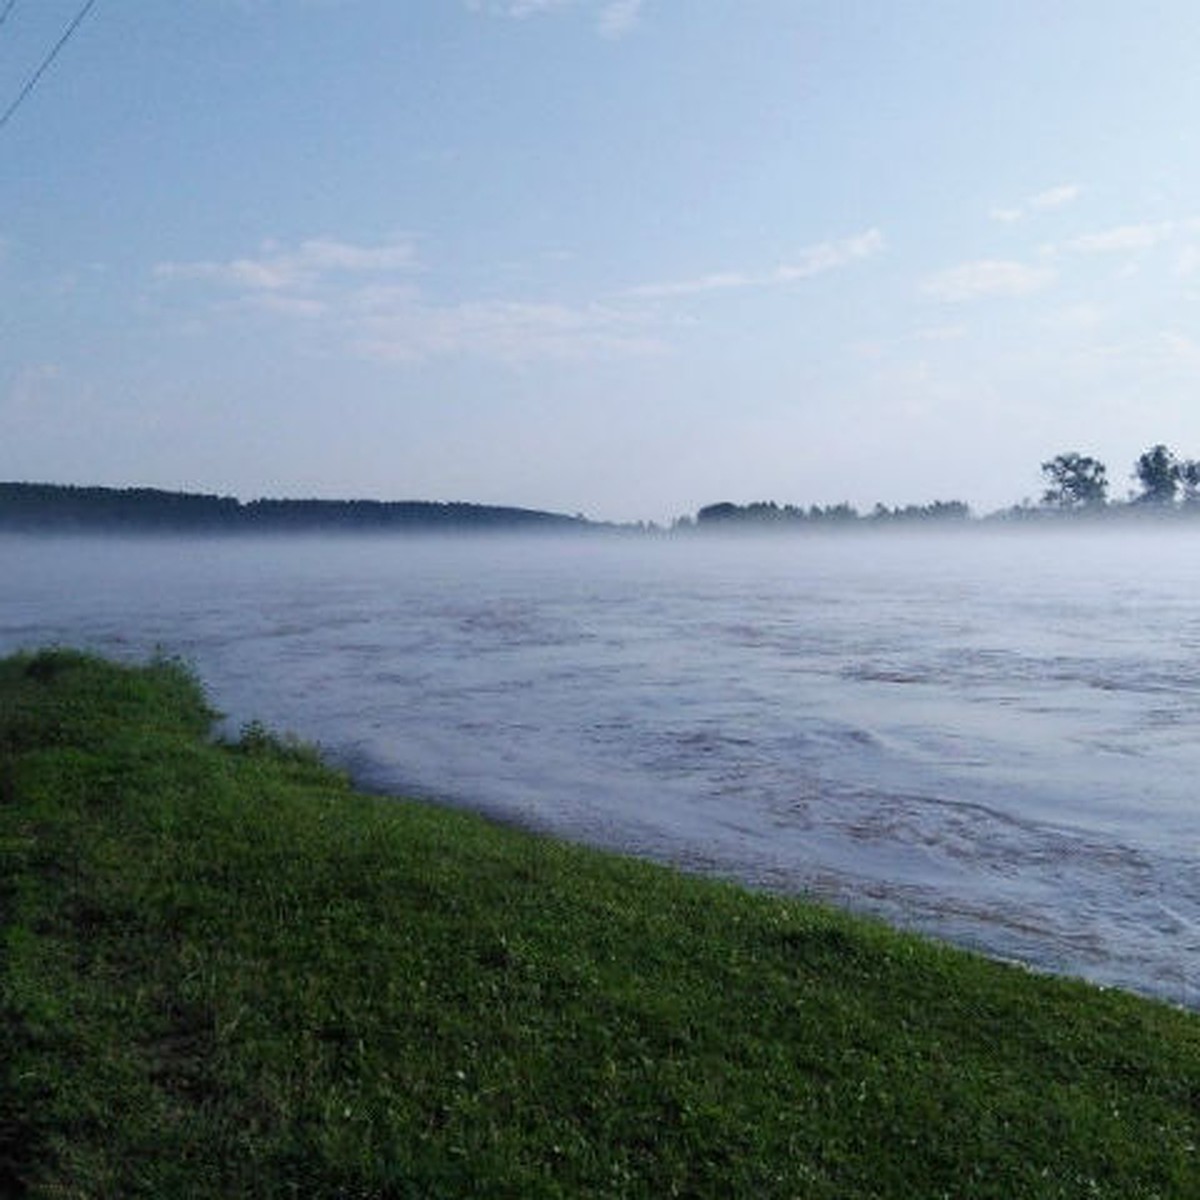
993	738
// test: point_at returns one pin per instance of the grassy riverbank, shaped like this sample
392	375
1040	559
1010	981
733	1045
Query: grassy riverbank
225	974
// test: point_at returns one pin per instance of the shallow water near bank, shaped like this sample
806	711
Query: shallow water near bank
993	738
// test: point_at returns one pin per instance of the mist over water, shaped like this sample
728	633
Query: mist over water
990	737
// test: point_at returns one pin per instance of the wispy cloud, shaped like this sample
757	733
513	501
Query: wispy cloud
984	278
366	301
517	9
278	269
618	17
1054	197
1180	349
1123	238
940	333
814	260
612	18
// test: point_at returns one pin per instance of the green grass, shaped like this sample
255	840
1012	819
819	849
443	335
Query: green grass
223	973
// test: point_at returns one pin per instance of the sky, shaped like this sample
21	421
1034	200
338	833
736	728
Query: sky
617	257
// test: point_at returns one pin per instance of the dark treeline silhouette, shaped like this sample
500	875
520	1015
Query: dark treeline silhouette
768	514
46	506
1076	486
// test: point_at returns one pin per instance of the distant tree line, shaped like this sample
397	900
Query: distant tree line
766	513
1075	484
45	506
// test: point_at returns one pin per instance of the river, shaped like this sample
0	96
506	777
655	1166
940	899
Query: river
990	737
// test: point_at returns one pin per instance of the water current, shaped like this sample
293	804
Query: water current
994	738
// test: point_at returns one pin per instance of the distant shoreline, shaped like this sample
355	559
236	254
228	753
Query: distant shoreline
46	507
42	508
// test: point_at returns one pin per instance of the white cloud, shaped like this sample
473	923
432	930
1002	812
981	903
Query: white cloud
718	281
814	260
354	292
1123	238
941	333
520	9
331	255
278	269
241	272
986	277
828	255
618	17
613	18
1054	197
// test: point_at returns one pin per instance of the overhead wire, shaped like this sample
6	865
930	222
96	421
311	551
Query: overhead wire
7	9
32	81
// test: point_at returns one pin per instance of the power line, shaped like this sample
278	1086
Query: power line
7	9
32	81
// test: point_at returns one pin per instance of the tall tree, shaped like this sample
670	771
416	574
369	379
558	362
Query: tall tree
1158	472
1075	481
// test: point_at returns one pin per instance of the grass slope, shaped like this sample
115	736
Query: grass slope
226	974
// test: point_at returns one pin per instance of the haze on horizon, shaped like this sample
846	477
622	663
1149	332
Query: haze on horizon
618	257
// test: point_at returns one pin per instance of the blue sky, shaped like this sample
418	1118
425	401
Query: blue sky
604	256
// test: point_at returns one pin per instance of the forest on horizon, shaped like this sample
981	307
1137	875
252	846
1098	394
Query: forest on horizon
1076	485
